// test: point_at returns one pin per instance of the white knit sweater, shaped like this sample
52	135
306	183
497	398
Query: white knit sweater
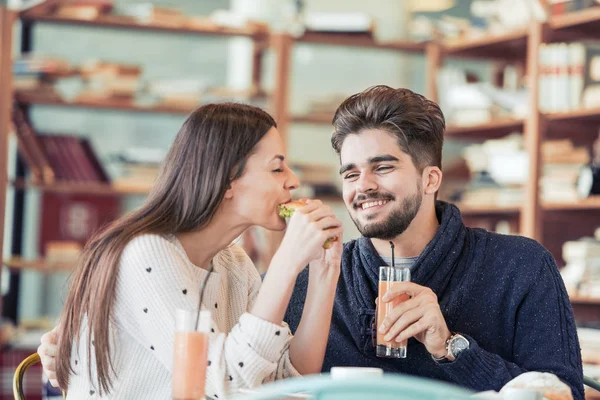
155	278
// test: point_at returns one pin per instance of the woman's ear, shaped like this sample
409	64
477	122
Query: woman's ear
229	192
432	177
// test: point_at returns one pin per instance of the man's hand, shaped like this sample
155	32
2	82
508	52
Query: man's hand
47	352
419	317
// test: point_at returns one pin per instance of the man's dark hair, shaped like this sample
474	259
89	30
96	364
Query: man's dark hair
417	123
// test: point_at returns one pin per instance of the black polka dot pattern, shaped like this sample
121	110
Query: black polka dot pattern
209	363
216	305
241	364
212	330
146	310
184	291
230	378
277	333
76	362
148	269
151	347
216	397
92	392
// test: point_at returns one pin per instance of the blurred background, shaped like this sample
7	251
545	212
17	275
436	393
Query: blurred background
94	91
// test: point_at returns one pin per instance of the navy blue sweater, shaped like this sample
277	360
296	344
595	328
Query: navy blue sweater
504	293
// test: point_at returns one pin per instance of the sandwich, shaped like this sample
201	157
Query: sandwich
287	210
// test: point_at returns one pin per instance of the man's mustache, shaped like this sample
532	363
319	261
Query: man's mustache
373	196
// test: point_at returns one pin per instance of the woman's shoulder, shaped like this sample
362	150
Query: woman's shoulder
237	261
150	247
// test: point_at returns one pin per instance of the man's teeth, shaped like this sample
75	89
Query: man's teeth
373	204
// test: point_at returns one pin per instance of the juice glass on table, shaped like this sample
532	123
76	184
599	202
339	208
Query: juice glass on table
388	278
190	354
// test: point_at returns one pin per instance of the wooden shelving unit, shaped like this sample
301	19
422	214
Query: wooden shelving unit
84	188
591	203
128	23
583	23
361	40
40	265
100	104
583	115
492	129
488	211
509	45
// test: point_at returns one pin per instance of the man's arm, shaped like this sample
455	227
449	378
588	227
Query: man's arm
545	340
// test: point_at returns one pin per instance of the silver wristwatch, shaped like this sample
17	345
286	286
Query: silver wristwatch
455	344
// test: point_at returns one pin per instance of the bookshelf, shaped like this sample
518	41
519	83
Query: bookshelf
41	265
494	129
84	188
507	45
27	98
122	22
361	40
516	46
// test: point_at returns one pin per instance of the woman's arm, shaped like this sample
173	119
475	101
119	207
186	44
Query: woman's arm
307	348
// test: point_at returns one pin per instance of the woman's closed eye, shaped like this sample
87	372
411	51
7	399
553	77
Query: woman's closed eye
278	170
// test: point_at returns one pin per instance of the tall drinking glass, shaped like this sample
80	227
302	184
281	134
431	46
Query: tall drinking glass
190	355
388	278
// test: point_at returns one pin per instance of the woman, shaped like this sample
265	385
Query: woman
225	172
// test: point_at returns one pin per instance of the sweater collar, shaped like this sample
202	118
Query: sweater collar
439	258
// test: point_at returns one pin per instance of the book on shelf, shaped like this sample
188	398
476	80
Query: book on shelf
56	158
31	149
569	76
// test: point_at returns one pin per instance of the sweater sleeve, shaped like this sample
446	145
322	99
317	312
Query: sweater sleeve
285	368
545	340
155	280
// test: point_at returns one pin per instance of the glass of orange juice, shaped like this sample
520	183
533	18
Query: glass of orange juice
388	277
190	354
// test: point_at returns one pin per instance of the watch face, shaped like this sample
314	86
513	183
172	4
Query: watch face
458	344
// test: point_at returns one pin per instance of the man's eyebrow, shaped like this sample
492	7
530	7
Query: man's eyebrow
372	160
347	167
382	158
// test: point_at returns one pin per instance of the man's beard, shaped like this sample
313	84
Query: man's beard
397	221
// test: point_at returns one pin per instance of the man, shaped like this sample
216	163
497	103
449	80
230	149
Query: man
485	307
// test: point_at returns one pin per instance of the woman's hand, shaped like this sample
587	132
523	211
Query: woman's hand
47	352
308	229
328	266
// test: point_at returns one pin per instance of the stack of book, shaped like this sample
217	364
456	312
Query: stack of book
582	271
110	80
38	74
568	78
56	158
562	163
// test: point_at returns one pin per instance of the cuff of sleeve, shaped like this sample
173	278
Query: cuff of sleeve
264	337
472	366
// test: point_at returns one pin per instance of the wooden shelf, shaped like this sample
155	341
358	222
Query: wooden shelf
510	45
42	265
321	118
591	203
591	114
110	104
487	211
585	300
585	22
490	130
360	40
85	188
124	22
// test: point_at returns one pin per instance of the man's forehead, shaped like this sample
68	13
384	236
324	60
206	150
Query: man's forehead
361	148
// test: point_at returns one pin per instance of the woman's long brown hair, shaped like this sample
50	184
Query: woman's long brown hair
209	152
